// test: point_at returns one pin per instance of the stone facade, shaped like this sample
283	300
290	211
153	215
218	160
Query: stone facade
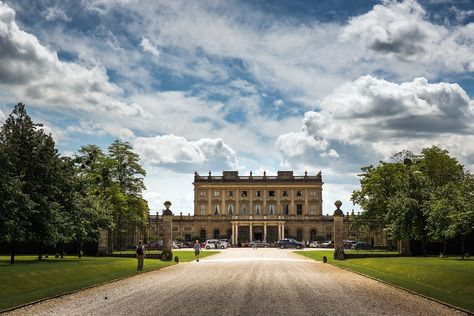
245	208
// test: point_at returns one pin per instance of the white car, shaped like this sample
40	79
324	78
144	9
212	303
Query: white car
216	244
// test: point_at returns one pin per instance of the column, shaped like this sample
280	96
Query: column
232	241
251	231
265	231
292	202
338	235
306	204
279	231
236	233
283	230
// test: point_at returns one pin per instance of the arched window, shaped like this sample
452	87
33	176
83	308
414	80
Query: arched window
216	209
299	235
230	209
313	235
257	209
202	234
216	234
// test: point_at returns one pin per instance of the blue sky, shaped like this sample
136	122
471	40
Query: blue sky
244	85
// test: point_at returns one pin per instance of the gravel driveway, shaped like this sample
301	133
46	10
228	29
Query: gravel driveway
242	282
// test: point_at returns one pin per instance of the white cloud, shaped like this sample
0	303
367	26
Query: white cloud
34	74
54	13
378	118
148	47
278	103
400	31
182	155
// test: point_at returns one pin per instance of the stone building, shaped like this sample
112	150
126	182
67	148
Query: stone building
245	208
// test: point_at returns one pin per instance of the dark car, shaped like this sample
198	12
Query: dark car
259	244
362	246
157	245
289	243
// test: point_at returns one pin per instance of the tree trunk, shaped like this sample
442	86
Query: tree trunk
12	252
62	250
40	250
79	255
462	247
444	247
423	243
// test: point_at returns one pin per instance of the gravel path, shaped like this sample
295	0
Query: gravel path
242	282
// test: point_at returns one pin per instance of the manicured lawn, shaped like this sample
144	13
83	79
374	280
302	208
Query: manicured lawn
450	280
29	279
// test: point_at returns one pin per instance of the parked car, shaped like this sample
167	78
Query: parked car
315	244
259	244
349	243
328	244
155	245
362	246
289	243
215	244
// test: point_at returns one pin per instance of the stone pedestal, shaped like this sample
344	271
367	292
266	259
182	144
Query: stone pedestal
338	217
103	245
167	252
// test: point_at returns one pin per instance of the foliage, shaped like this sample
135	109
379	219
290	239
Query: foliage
417	197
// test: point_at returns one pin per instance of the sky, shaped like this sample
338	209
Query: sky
244	85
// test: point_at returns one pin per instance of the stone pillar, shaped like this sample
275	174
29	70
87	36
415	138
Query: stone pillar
338	232
103	246
250	231
283	231
265	231
236	233
167	252
279	231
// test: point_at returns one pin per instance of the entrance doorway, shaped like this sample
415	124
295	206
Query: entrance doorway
257	233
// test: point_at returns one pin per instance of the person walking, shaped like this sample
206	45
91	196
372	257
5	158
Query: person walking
197	250
140	255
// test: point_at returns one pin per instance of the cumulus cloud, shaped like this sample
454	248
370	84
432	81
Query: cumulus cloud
402	30
33	73
182	155
380	118
148	47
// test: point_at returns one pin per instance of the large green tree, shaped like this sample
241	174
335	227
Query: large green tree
31	167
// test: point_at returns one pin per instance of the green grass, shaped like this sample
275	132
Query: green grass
450	280
29	280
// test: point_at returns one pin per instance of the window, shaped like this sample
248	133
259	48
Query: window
217	193
257	193
202	193
285	193
202	234
312	209
243	193
286	209
230	193
299	209
216	234
243	209
203	209
230	209
313	193
257	209
271	209
271	193
299	193
216	209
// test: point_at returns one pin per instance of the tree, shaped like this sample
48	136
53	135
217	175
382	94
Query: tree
31	169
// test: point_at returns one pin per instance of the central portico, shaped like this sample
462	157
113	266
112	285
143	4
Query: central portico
258	229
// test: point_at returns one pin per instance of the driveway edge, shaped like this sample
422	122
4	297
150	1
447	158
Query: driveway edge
81	289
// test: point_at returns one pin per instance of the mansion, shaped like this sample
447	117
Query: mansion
245	208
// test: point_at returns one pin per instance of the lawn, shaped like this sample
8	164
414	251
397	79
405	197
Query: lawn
30	280
450	280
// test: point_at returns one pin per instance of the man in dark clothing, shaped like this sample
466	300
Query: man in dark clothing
140	255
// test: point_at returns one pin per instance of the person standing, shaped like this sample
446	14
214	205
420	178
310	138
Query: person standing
140	255
197	250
